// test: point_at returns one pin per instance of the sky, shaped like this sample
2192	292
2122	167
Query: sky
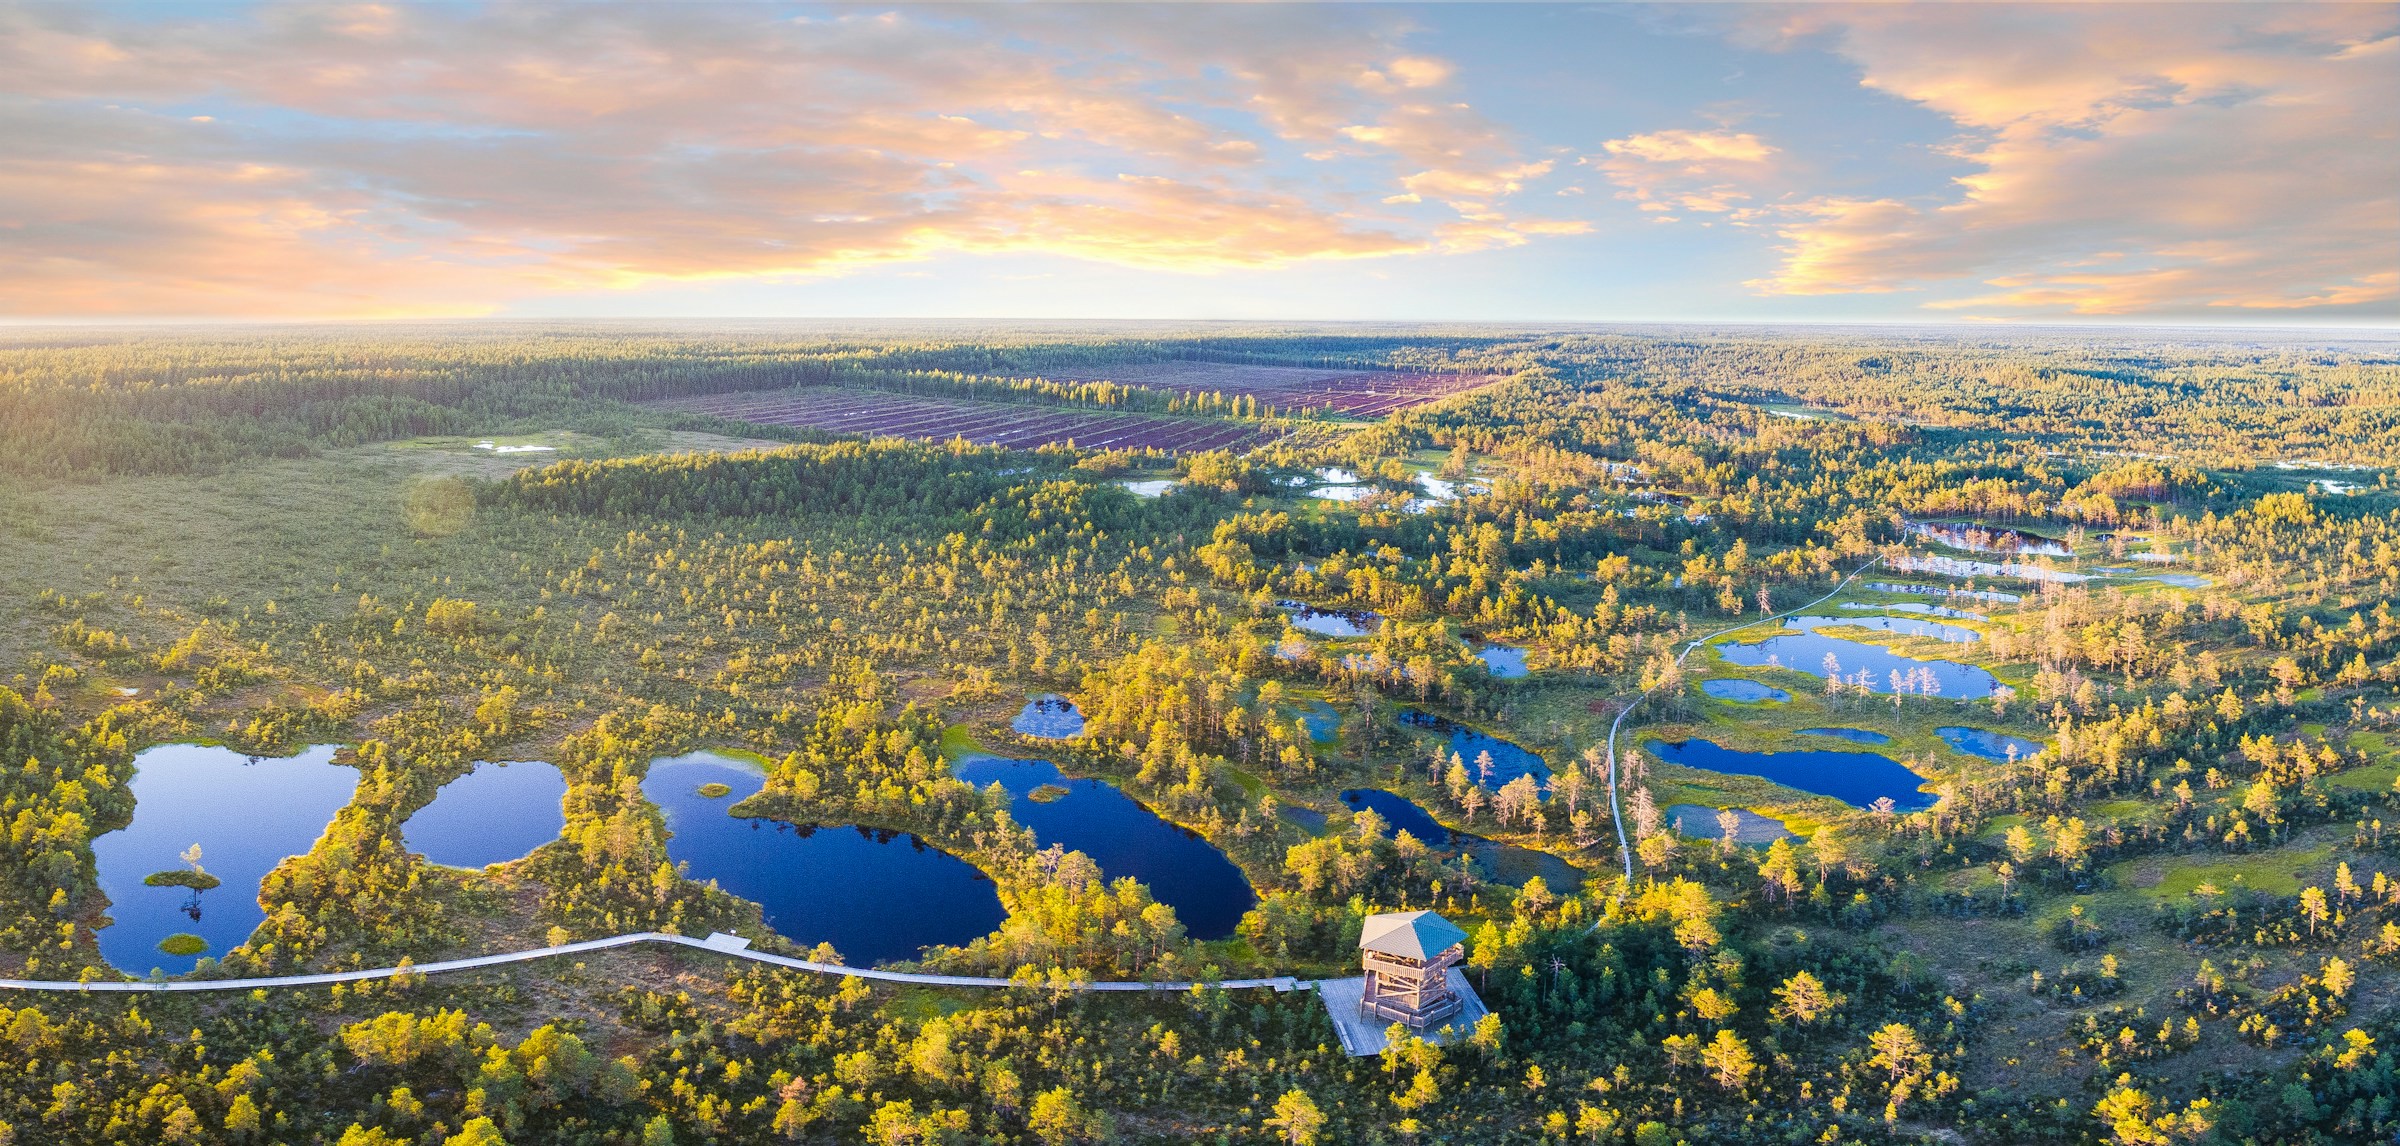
2214	164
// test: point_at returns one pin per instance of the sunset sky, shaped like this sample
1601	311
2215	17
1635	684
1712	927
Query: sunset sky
2214	163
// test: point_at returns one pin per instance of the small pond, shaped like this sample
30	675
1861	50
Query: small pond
1855	778
875	895
1508	760
494	814
1310	820
1502	661
1341	492
1155	487
1900	626
1444	489
1208	893
1853	735
1502	863
1809	652
1049	716
1987	539
2180	580
1336	475
1743	691
1400	814
1699	822
1988	595
245	814
1331	622
1323	721
1917	608
1988	744
1515	866
1955	567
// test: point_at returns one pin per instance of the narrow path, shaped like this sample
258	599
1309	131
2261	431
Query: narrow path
1624	845
721	943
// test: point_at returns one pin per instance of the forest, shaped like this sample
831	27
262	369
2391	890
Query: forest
2007	749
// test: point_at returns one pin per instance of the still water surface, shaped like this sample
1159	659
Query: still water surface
246	813
875	895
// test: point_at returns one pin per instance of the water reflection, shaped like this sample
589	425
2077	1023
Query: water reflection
1870	666
1701	823
1502	661
875	895
1050	717
1988	744
244	813
1853	735
1507	761
494	814
1209	894
1855	778
1743	691
1499	862
1331	622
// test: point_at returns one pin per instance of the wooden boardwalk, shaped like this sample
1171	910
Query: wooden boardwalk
1363	1034
720	943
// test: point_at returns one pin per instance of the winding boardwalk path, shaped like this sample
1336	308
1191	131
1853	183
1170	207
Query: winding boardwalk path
721	943
1624	845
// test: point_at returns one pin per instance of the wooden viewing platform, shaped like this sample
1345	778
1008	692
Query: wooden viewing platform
1412	980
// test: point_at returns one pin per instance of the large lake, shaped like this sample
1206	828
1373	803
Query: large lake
875	895
1183	870
246	813
1855	778
494	814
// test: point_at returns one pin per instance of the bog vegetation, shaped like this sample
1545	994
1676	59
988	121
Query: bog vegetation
2178	921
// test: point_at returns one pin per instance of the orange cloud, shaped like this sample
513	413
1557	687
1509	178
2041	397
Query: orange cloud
2228	156
1714	172
372	159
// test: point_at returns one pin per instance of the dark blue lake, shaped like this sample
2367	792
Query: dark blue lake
1986	743
1808	653
1502	863
1508	760
1049	716
1184	871
1332	622
1502	661
1400	814
1855	778
494	814
875	895
246	814
1853	735
1699	822
1743	691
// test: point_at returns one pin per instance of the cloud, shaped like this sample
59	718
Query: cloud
1708	171
367	159
2229	157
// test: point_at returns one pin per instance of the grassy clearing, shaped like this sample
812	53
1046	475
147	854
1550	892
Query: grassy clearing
2282	871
